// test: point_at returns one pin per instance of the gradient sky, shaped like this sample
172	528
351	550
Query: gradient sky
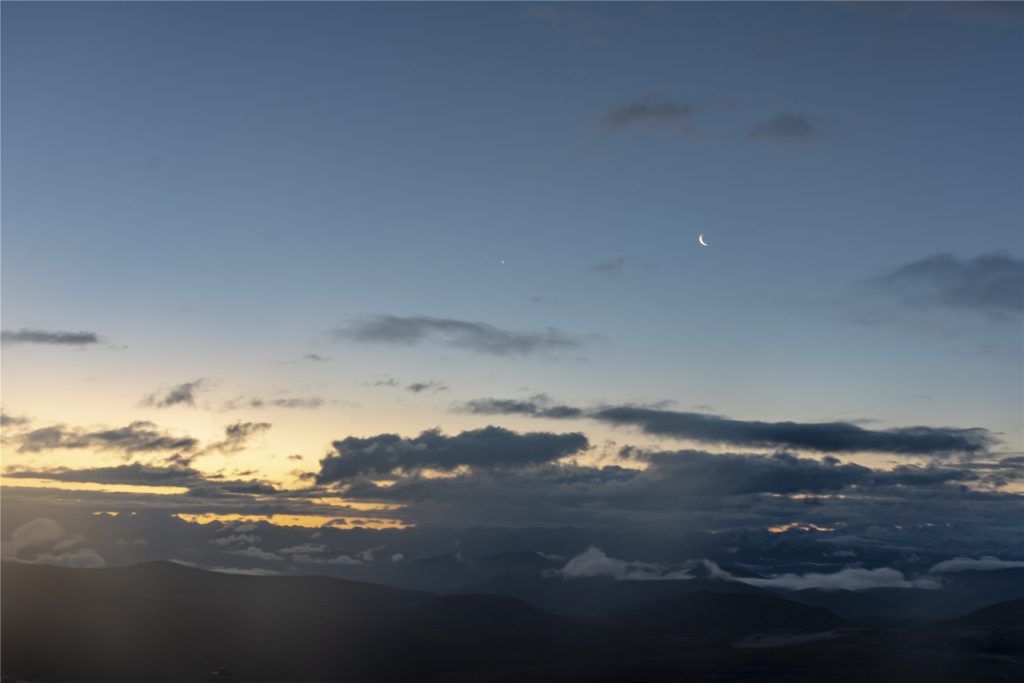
235	194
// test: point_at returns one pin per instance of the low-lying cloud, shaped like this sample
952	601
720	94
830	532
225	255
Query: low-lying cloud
594	563
850	579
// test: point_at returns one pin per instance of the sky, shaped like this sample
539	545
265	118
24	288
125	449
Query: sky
438	264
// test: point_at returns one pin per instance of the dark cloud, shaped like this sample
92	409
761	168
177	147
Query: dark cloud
294	402
474	336
12	420
137	474
786	128
538	406
315	357
611	267
183	394
28	336
698	490
993	283
137	437
824	437
650	111
488	448
133	474
237	435
418	387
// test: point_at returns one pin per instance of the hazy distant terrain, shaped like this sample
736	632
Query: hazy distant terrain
166	622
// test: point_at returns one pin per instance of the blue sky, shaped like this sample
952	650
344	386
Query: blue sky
217	191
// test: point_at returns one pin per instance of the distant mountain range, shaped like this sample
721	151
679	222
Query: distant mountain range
168	622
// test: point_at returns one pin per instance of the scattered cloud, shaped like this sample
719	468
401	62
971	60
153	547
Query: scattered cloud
292	402
787	127
650	111
992	283
237	436
182	394
30	336
964	564
491	447
473	336
611	268
537	406
315	358
137	437
13	420
419	387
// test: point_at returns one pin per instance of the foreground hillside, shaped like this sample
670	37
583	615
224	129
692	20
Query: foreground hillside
167	622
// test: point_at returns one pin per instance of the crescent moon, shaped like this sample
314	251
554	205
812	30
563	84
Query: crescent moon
700	238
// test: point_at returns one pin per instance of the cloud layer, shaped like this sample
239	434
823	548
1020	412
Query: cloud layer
823	437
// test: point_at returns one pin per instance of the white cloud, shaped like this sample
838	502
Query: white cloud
303	549
984	563
851	579
595	563
257	554
40	531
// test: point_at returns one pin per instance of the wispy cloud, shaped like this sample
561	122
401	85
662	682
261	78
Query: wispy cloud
612	267
30	336
789	127
992	283
292	402
182	394
473	336
650	111
237	436
137	437
430	385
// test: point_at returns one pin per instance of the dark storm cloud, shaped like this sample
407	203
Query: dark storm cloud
237	435
474	336
183	394
785	127
825	437
137	437
537	406
650	111
697	490
993	283
27	336
491	447
419	387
